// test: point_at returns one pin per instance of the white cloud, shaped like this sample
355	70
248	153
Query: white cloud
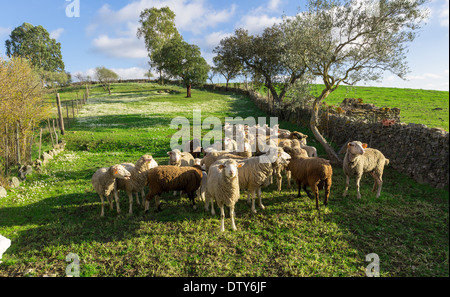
5	31
424	76
122	47
444	14
55	34
255	24
191	15
124	73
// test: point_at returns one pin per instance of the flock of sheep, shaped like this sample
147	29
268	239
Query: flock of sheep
244	161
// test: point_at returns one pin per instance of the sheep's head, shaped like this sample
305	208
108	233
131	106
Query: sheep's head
297	135
295	152
230	168
275	155
174	156
144	162
356	147
119	171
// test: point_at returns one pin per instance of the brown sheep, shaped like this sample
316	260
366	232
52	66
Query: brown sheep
313	172
173	178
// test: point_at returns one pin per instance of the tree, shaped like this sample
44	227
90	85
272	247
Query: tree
182	60
34	43
265	57
345	44
227	65
157	28
106	77
22	107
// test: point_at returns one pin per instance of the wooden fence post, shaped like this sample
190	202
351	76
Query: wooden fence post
68	118
56	134
61	119
50	131
17	144
40	144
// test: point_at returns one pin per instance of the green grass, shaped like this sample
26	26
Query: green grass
57	212
417	106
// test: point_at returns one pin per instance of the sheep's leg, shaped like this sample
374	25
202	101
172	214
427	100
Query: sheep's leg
222	218
102	214
260	198
130	200
347	182
143	198
358	179
327	191
307	192
316	194
299	195
158	205
232	215
279	179
191	196
288	177
213	212
253	201
377	181
116	196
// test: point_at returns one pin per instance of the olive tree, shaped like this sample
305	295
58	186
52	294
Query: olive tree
106	77
266	57
352	42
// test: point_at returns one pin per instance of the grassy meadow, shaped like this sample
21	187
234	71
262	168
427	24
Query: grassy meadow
57	212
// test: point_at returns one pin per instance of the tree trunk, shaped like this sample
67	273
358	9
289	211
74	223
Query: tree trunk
189	87
226	87
109	89
332	155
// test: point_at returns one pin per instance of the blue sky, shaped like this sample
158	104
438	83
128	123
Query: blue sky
105	33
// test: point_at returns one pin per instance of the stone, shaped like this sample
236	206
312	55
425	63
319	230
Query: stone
15	182
5	243
3	192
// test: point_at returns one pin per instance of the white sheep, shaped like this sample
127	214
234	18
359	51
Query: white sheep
137	180
103	182
223	186
255	173
5	243
359	160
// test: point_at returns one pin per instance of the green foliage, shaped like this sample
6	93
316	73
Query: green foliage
106	76
34	43
182	60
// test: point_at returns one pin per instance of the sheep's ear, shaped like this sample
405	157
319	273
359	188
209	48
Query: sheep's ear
239	165
349	144
221	167
364	145
169	153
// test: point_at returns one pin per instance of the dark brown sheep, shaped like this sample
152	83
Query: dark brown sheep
313	172
173	178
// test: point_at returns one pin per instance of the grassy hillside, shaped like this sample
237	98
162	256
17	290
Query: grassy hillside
417	106
57	212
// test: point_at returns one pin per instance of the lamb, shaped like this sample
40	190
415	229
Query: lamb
172	178
137	181
103	182
255	173
313	172
223	186
359	160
